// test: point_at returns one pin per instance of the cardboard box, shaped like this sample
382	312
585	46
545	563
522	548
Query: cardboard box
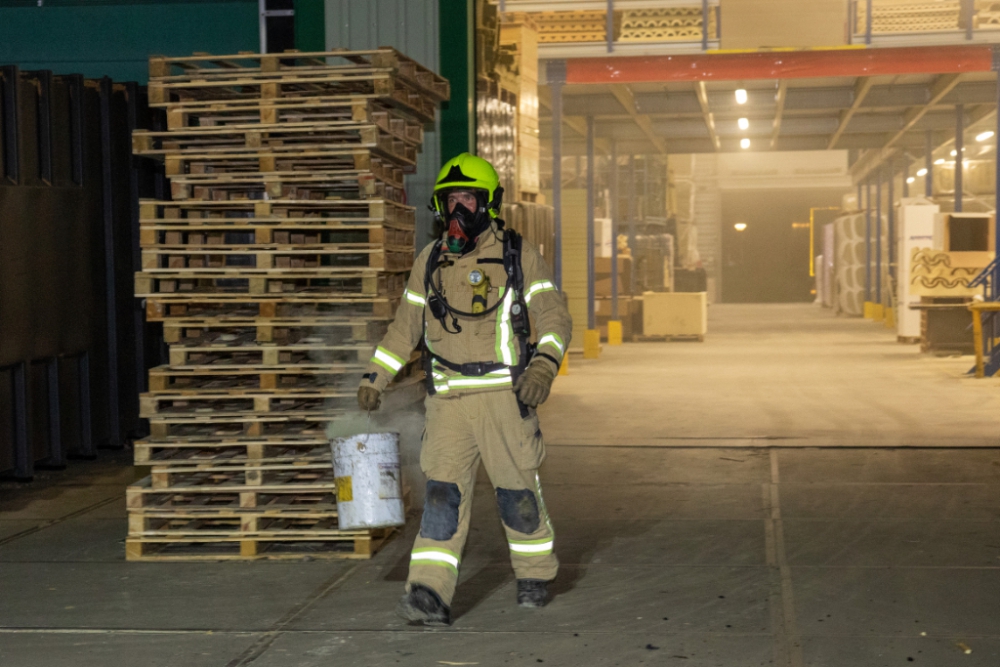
752	24
674	313
602	276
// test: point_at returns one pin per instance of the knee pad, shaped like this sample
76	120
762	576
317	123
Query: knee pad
518	509
440	520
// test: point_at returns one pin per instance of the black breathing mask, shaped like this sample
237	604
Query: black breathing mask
465	226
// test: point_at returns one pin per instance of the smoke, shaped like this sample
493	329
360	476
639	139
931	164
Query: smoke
402	412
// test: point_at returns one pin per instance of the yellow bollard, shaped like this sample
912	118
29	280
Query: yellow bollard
890	318
614	332
869	307
564	366
591	344
878	312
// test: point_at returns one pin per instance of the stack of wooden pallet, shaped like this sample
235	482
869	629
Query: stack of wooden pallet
890	17
280	258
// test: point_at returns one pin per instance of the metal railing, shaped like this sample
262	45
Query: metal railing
986	322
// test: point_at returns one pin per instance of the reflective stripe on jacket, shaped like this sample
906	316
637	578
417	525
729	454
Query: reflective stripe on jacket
488	338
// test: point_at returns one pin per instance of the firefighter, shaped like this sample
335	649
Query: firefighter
468	297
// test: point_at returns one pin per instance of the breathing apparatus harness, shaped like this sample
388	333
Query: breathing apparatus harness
441	309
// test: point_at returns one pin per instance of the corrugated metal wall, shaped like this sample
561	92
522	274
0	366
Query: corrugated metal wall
412	27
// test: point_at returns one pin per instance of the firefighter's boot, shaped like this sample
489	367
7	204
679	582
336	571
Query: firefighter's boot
532	593
423	605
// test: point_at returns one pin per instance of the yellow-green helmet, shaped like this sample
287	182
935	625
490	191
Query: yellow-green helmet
467	171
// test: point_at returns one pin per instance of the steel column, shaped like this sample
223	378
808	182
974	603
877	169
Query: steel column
968	9
609	25
557	75
878	235
591	316
959	155
631	224
614	230
890	236
929	164
996	160
868	242
704	25
868	22
906	174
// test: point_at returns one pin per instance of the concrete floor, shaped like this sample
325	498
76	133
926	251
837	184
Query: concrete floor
702	518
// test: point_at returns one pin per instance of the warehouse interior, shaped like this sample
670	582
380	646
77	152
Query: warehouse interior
773	439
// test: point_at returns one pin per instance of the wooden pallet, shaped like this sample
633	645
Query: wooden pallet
226	523
270	144
693	338
289	546
237	402
201	233
286	256
572	26
263	214
195	330
250	113
243	353
171	478
253	426
251	281
665	24
385	86
381	181
338	65
312	376
178	452
160	307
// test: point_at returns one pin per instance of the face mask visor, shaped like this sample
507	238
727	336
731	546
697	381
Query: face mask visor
464	225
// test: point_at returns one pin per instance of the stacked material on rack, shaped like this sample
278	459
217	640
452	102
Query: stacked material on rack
280	258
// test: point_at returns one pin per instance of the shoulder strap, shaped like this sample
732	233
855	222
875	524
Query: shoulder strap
512	258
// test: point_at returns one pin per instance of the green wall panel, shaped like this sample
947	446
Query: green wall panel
310	25
116	38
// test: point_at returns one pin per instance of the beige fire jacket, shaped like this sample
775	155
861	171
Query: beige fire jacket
488	338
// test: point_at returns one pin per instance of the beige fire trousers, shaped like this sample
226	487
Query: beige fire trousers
460	430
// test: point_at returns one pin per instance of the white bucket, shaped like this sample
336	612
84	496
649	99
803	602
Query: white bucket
369	489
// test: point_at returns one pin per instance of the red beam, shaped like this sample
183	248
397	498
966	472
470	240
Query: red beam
781	65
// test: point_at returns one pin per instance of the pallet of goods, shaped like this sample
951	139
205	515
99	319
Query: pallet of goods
277	263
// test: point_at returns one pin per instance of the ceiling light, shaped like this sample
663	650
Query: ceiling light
923	172
983	136
743	123
744	143
740	226
940	160
910	179
741	96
